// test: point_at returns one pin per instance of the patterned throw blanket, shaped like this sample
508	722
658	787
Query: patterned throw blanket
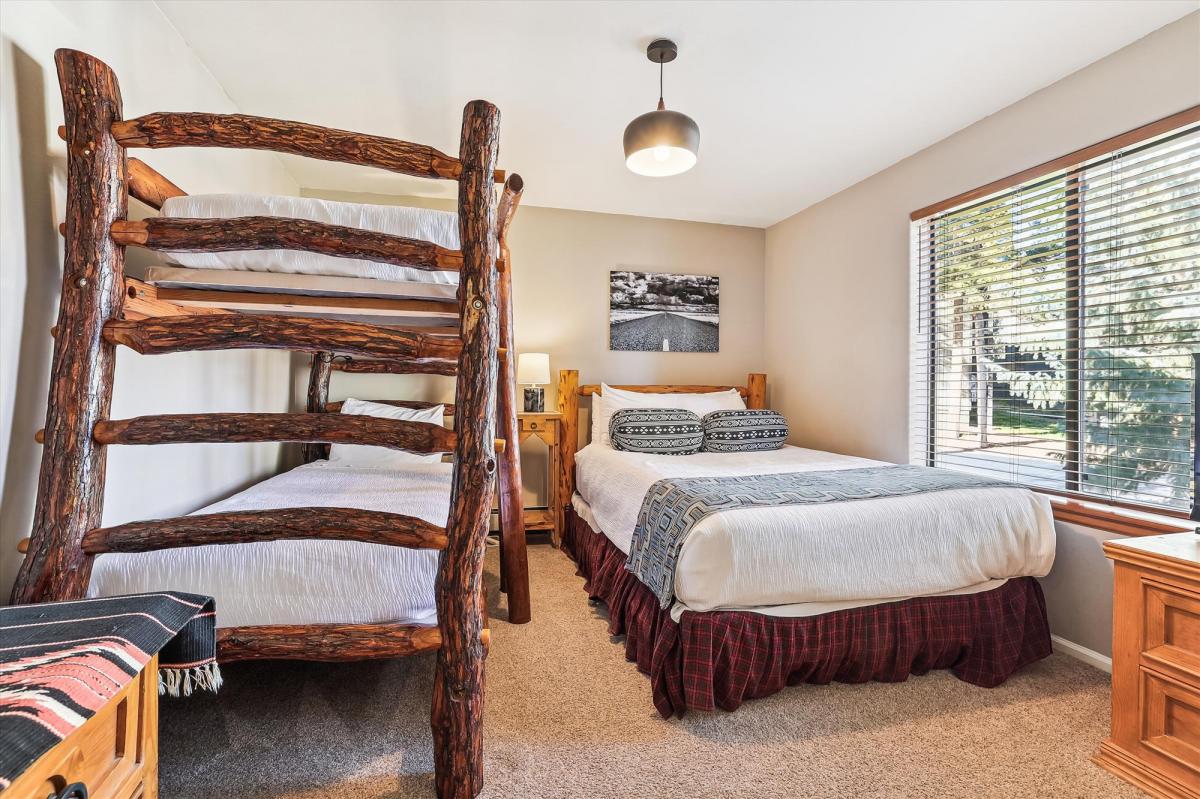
60	662
674	506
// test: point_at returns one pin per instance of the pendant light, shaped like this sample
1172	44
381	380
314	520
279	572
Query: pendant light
661	143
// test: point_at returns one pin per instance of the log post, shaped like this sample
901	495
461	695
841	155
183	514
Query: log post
515	563
756	390
71	483
568	406
457	713
318	398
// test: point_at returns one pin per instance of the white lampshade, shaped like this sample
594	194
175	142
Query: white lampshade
533	368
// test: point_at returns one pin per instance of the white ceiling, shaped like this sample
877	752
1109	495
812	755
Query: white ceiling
795	100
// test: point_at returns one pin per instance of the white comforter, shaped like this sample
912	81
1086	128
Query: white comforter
439	227
304	582
835	555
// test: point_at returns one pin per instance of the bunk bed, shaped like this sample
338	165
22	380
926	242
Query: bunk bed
101	309
779	580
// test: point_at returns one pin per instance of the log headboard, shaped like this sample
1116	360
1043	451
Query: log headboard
570	390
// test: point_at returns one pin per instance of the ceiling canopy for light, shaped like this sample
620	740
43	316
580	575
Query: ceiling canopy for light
661	143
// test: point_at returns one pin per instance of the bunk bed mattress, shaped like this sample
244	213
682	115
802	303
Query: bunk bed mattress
797	560
439	227
304	581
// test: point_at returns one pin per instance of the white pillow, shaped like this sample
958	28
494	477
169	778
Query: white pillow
610	400
383	457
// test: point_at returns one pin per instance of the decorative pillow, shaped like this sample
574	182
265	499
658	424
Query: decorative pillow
661	431
611	400
384	457
744	431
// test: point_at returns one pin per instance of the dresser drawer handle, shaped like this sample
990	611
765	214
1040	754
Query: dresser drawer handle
533	425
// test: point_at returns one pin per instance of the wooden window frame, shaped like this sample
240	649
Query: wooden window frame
1073	506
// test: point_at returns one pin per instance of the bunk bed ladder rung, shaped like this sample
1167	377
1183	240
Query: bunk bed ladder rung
242	527
325	642
327	428
174	234
168	334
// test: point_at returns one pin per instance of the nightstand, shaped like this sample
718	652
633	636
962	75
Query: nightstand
547	427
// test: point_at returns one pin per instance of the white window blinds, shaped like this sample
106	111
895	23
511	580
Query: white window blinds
1056	326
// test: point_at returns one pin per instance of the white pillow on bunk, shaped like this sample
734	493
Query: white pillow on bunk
610	400
382	457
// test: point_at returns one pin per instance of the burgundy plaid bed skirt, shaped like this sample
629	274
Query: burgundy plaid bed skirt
722	658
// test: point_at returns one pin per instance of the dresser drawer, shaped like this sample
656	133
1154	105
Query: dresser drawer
1171	725
534	425
1171	631
114	753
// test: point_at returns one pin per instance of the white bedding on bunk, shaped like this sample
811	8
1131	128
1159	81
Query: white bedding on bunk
304	582
439	227
842	552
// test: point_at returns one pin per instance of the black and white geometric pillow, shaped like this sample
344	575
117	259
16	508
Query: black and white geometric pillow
661	431
744	431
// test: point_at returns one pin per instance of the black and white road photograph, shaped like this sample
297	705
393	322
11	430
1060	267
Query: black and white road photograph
660	312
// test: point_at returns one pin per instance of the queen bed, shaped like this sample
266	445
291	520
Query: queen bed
764	594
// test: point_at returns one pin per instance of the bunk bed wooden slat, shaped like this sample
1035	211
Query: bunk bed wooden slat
142	302
215	428
240	527
325	642
396	366
154	336
247	132
176	234
149	186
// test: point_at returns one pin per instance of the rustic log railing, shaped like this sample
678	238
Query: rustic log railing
176	234
396	366
243	132
160	335
328	428
100	309
239	527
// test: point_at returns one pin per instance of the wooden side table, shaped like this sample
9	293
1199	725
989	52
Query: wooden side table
547	427
1155	741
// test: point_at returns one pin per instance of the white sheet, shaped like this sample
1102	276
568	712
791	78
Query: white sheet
304	582
861	552
439	227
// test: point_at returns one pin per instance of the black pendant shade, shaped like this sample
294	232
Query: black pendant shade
661	143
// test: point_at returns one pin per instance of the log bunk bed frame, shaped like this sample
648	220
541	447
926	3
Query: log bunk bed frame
101	309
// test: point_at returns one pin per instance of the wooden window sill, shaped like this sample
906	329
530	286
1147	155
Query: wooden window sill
1115	520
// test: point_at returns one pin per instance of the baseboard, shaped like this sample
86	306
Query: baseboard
1088	656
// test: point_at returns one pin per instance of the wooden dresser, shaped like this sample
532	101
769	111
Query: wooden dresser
1155	741
113	755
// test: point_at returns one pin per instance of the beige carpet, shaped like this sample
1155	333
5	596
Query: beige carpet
567	716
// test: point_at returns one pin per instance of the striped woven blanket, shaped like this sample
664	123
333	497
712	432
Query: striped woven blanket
674	506
60	662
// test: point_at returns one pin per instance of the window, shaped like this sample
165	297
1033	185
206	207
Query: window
1057	321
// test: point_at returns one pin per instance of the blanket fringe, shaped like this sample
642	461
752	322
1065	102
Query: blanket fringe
182	682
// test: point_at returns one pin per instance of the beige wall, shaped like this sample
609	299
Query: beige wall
560	298
837	274
156	70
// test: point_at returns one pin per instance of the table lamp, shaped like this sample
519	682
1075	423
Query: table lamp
533	371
